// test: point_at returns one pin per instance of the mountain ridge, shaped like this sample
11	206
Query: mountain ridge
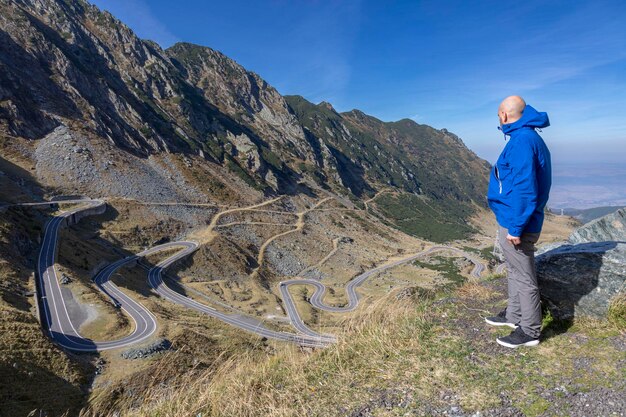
186	99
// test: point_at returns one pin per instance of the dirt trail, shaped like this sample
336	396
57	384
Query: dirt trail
165	203
299	225
324	259
253	223
384	190
207	235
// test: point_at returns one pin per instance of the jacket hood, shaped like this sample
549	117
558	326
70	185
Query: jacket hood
530	118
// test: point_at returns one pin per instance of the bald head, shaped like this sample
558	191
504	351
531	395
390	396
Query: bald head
511	109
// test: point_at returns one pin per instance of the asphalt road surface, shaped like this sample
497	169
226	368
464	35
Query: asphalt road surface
55	318
58	325
317	299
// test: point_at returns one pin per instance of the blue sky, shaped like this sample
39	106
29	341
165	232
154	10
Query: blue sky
442	63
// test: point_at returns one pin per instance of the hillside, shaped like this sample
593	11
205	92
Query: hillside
587	215
70	67
434	166
419	354
186	144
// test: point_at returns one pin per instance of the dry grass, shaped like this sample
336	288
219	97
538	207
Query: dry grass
408	350
33	372
476	291
290	381
617	311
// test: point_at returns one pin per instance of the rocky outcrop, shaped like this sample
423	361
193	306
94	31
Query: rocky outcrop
611	227
159	345
581	276
243	95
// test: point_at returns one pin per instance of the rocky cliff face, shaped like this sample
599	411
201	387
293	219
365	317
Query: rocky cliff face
65	62
583	275
368	153
68	65
243	94
610	227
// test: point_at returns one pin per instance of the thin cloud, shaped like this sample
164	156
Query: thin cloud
324	40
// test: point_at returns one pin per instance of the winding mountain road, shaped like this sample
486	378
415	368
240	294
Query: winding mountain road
317	299
55	318
156	282
57	323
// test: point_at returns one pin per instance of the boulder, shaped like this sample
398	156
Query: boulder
611	227
581	279
65	279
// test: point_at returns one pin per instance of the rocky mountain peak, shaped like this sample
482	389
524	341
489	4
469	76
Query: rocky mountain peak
326	105
66	63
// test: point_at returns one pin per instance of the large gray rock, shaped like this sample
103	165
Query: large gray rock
611	227
581	279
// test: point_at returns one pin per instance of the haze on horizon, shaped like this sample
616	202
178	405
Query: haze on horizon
442	64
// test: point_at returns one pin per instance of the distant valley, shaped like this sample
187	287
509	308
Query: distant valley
587	215
585	185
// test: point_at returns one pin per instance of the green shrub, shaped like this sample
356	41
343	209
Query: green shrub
436	221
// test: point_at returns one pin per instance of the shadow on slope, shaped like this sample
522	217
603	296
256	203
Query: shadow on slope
569	274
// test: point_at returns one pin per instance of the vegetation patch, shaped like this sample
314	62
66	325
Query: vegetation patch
617	311
445	265
240	172
485	253
428	219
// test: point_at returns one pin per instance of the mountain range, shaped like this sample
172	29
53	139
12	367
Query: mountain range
74	74
184	143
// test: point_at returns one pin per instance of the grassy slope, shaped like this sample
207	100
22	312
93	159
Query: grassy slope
33	371
414	159
421	354
437	221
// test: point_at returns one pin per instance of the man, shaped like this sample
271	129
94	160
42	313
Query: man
519	186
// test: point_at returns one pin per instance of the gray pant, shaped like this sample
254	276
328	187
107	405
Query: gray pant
523	304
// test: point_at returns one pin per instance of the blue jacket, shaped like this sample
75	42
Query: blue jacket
519	184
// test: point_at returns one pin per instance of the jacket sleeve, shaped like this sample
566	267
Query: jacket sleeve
525	191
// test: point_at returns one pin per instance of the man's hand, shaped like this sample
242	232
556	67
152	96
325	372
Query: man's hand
515	240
